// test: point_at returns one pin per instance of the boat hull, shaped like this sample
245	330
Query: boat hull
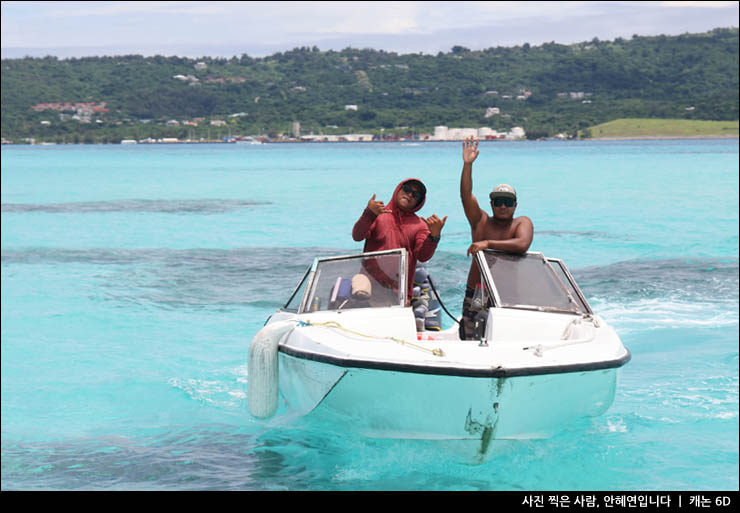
472	414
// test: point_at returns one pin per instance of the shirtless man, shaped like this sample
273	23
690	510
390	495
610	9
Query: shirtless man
501	231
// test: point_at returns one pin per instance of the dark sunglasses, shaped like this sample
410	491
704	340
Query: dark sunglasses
497	202
410	190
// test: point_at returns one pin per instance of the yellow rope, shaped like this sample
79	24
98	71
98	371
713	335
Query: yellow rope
335	324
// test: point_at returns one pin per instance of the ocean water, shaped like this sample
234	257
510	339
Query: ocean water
134	277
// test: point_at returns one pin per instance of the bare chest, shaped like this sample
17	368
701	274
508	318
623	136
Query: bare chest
488	230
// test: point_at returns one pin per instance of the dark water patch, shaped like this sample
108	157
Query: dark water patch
704	280
576	234
204	257
91	256
264	278
193	206
206	459
186	278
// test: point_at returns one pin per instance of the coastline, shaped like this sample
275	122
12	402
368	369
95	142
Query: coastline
401	140
406	141
660	137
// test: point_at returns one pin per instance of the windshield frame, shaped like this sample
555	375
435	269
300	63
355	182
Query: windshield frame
306	276
487	277
311	273
579	294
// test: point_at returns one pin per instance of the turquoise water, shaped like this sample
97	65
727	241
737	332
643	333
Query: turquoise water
134	277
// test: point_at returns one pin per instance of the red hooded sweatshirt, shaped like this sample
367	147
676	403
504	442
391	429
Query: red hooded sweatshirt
398	229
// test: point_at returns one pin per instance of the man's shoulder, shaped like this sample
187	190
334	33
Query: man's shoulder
522	223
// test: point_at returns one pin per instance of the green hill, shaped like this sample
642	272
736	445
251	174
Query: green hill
631	128
546	89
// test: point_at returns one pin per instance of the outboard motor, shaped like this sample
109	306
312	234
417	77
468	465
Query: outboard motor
424	302
480	307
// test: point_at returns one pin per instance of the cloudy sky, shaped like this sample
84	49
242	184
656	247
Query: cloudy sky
213	28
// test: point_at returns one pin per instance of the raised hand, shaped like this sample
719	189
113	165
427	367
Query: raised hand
435	224
377	207
470	150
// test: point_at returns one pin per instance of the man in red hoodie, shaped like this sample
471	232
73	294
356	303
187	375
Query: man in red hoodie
396	226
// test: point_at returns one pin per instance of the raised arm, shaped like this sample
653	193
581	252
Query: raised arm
362	227
470	204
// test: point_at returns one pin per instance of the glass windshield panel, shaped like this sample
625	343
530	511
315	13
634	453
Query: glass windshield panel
356	282
294	302
559	268
528	281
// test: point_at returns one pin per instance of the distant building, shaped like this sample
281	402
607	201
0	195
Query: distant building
488	133
459	134
492	111
516	133
187	78
79	107
358	137
350	107
443	133
440	133
200	66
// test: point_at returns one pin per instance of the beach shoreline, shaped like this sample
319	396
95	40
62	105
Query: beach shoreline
660	137
400	140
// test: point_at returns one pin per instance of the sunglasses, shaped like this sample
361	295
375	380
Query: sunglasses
408	189
498	202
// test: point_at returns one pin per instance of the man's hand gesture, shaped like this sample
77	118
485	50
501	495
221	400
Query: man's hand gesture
470	150
435	224
377	207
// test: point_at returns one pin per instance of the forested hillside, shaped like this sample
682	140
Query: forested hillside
546	89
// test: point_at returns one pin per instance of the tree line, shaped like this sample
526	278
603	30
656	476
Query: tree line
547	89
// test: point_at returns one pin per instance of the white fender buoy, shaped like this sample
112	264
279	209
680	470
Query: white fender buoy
262	368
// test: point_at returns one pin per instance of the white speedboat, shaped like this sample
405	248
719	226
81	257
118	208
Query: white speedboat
247	140
346	346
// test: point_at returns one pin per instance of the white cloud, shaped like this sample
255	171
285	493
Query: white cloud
103	9
707	4
412	26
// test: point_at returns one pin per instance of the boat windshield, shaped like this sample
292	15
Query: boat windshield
530	281
369	280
